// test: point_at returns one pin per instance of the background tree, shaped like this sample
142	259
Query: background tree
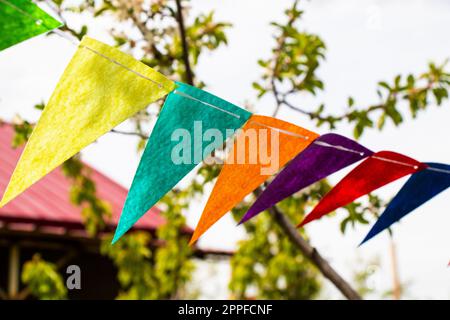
291	71
43	280
275	260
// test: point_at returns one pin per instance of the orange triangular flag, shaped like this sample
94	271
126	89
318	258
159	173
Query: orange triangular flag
264	145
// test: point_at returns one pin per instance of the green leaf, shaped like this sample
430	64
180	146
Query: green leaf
350	102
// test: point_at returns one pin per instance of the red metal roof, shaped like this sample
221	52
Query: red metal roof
47	202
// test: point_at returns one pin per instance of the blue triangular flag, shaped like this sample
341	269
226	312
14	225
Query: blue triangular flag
420	187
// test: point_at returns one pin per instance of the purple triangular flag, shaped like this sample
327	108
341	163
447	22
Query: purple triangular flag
326	155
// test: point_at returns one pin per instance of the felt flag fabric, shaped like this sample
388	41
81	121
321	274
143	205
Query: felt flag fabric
100	88
420	187
376	171
21	20
326	155
186	113
239	178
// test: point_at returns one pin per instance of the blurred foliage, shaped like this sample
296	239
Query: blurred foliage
43	279
22	131
132	256
294	61
266	264
148	267
148	273
367	281
292	70
357	212
363	277
83	193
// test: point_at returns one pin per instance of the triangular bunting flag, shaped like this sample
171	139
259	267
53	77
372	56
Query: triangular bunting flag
271	144
420	187
176	146
378	170
326	155
21	20
100	88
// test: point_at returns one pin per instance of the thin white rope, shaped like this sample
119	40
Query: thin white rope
187	96
122	65
396	162
320	143
72	39
328	145
438	170
12	5
75	42
294	134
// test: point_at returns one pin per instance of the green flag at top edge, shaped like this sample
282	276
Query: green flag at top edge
179	141
21	20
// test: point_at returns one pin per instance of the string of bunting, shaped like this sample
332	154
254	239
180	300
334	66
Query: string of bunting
101	87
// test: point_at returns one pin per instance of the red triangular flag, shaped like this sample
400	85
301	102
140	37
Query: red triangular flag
376	171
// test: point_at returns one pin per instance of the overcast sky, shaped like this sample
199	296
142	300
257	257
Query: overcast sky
367	41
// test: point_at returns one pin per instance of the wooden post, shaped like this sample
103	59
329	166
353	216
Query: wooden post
396	290
13	275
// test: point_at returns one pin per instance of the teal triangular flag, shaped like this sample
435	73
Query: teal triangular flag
192	123
21	20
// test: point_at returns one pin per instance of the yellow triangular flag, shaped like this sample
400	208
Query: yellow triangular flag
100	88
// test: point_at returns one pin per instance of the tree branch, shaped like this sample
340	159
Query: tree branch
393	95
130	133
278	50
280	218
311	253
181	27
